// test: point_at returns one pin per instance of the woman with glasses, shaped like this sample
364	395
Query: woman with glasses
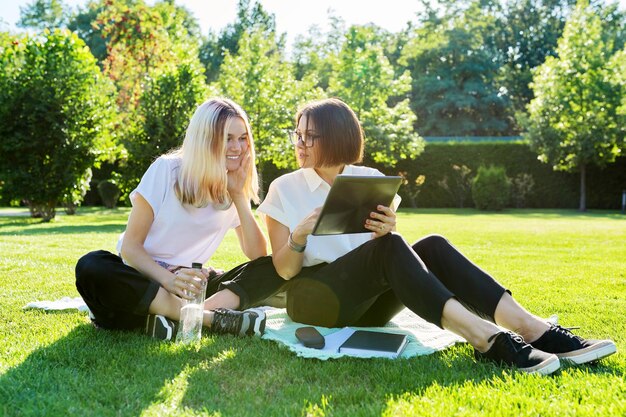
366	279
185	203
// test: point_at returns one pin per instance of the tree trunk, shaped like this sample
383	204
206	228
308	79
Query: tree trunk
583	187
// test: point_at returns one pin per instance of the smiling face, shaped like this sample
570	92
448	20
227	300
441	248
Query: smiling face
236	143
307	157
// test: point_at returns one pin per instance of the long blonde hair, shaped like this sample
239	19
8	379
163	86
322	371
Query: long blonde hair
202	178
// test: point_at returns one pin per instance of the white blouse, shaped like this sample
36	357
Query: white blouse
293	196
180	234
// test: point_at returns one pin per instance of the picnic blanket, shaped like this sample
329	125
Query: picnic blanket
424	337
65	303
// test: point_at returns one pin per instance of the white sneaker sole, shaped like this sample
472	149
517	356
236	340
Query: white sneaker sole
546	367
599	350
259	322
151	327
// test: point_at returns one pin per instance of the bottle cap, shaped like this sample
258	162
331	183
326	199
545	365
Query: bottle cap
196	265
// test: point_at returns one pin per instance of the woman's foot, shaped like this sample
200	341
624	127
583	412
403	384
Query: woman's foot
564	344
510	349
250	322
160	327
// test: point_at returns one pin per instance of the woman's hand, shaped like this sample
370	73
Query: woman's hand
186	283
381	223
237	178
305	227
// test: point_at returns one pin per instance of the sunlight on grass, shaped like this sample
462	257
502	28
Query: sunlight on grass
554	261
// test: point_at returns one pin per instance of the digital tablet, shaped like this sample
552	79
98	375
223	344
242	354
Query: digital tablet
351	200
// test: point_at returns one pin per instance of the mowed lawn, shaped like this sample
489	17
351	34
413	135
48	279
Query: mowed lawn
554	262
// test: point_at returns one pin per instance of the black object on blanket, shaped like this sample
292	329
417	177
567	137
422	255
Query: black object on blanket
310	337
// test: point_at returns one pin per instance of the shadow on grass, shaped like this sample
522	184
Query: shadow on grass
96	372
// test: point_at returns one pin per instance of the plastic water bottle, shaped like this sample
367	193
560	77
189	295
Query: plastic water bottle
191	313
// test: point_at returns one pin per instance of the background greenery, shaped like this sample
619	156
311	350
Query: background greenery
555	262
551	71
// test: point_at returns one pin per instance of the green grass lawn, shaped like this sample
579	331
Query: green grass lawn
555	262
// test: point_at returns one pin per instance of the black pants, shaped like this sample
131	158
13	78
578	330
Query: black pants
372	283
119	296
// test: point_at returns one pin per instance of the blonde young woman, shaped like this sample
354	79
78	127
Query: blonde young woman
366	279
185	203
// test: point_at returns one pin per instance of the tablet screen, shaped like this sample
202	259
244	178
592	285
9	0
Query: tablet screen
350	201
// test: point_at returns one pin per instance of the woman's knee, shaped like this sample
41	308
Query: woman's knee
90	266
392	241
433	241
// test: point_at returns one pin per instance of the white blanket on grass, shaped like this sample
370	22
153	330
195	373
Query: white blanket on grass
65	303
424	337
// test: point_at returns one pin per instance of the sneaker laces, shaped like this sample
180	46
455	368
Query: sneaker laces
225	321
516	341
566	331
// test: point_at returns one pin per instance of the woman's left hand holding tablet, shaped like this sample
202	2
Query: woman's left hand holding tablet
381	222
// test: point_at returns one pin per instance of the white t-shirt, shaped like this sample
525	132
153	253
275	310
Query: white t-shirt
294	196
180	234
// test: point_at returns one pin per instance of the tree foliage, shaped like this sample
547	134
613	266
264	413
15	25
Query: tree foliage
164	111
55	117
43	14
454	92
362	76
143	41
263	84
316	52
250	18
573	120
526	32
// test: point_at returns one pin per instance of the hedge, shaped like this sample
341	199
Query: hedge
552	189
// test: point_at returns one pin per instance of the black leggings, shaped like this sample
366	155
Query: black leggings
372	283
119	296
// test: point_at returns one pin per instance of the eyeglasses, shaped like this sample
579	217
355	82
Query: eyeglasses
307	140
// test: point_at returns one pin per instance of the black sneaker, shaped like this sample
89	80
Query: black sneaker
510	349
160	327
239	323
564	344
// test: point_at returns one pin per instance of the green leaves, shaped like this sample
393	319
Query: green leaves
263	83
55	114
574	118
362	76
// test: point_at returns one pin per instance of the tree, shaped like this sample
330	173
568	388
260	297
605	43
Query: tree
573	120
83	23
250	18
617	66
263	84
43	14
315	53
165	108
362	76
454	89
143	41
526	32
56	110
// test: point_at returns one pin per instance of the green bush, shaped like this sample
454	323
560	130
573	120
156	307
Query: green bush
491	188
109	193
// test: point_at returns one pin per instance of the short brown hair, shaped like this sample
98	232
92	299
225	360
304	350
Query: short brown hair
340	134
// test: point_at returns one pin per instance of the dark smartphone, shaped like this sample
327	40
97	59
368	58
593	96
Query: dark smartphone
310	337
